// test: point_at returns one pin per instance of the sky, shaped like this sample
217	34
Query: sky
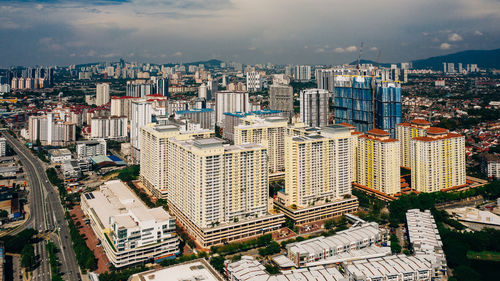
63	32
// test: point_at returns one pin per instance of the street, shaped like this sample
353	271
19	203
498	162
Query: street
47	214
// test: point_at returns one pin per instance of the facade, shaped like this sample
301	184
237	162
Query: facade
51	131
102	94
155	159
205	117
59	155
314	107
378	162
388	107
437	161
87	149
407	131
230	101
318	167
233	119
254	81
322	248
281	98
112	127
219	192
302	72
270	132
139	88
3	147
130	232
122	106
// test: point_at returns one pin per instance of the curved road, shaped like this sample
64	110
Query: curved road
47	214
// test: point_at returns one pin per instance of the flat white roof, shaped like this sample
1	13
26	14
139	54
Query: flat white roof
197	270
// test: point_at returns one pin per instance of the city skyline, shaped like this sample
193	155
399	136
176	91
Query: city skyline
54	32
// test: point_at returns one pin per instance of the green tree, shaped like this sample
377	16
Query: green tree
395	246
218	263
272	269
28	256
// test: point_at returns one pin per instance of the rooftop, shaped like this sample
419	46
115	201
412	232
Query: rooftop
196	270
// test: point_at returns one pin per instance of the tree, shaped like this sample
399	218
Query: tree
28	256
395	247
272	269
218	263
4	214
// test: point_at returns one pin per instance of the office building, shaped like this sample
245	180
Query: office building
254	81
111	127
318	167
424	237
195	270
102	94
122	106
249	269
3	147
270	132
205	117
314	107
407	131
302	73
219	192
367	104
281	98
130	232
378	162
230	101
437	161
87	149
233	119
50	130
155	158
325	250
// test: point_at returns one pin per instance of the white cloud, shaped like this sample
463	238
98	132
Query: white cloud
351	49
478	33
445	46
339	50
177	54
320	50
454	37
91	53
373	49
39	7
253	48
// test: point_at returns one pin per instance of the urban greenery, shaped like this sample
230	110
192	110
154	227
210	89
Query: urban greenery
84	256
395	246
236	247
15	243
53	261
130	173
121	275
28	256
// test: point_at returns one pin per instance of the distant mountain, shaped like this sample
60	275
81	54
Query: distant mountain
212	62
483	59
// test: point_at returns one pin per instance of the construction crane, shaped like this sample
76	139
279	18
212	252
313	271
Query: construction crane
359	55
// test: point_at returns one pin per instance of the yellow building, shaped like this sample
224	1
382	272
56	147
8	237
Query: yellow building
318	167
269	132
378	162
354	141
405	132
437	160
154	155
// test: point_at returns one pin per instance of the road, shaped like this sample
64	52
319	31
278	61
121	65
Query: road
47	214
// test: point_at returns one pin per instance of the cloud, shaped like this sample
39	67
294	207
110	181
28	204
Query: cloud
339	50
454	37
351	49
373	49
91	53
253	48
445	46
320	50
478	33
49	44
177	54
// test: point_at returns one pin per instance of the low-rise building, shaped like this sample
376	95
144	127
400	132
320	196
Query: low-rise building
490	165
86	149
59	155
323	248
130	232
3	147
198	269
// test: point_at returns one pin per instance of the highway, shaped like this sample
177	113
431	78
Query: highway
47	214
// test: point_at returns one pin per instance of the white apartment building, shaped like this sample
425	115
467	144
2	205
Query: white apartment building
204	116
254	81
155	158
122	106
314	107
378	162
130	232
302	72
490	165
437	161
87	149
270	132
102	94
142	114
112	127
3	147
318	166
405	132
51	131
230	101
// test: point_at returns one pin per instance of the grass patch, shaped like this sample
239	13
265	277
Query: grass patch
484	255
